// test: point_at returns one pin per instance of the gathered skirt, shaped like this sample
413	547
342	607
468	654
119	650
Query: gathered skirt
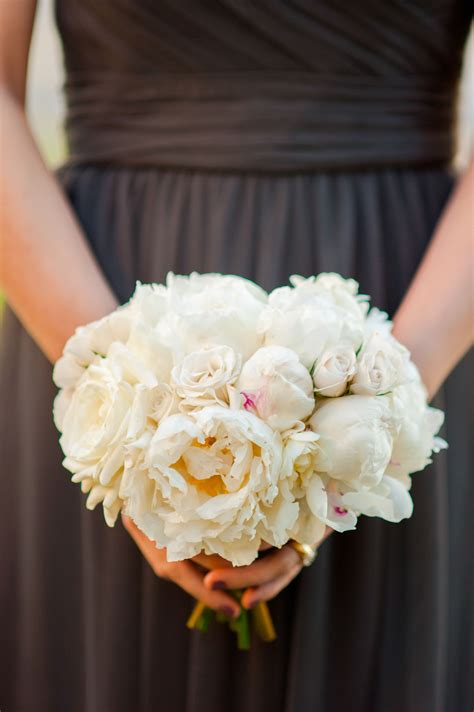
381	622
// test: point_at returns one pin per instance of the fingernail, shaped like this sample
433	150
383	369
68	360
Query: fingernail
218	584
228	611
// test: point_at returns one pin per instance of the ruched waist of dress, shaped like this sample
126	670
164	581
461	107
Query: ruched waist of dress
258	120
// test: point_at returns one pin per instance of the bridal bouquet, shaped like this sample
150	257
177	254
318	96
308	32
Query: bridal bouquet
219	416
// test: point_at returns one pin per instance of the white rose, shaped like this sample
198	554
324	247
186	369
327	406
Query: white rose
210	480
333	370
202	377
276	385
94	424
106	424
417	437
97	415
309	320
356	437
212	310
381	365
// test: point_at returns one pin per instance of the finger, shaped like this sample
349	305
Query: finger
154	555
183	573
327	532
270	589
211	561
191	580
260	571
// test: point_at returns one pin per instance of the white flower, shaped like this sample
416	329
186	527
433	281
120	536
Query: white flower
299	455
311	318
94	425
389	500
356	437
381	365
334	369
202	377
214	475
377	320
88	343
104	420
211	310
334	289
417	436
97	416
277	386
325	502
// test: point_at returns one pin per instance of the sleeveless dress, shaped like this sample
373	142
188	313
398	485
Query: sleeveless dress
263	139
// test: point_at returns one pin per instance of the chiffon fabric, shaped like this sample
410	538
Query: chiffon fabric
262	139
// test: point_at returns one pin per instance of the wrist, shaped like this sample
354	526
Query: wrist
421	352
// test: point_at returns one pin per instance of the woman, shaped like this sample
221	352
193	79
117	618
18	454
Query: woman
262	139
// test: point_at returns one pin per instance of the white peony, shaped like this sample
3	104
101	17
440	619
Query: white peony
203	377
212	478
310	319
377	320
417	436
389	500
276	385
211	310
356	436
334	290
333	370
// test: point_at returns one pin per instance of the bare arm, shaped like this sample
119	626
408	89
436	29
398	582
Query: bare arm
47	271
436	317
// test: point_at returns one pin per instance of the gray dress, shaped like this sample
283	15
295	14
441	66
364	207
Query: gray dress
263	139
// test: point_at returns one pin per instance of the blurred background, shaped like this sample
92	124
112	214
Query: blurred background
45	105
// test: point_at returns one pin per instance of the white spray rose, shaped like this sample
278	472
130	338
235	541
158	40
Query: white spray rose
202	377
356	437
381	365
213	473
333	370
276	385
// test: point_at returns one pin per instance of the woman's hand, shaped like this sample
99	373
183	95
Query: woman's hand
263	579
189	574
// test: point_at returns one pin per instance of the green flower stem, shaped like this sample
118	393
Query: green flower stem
202	615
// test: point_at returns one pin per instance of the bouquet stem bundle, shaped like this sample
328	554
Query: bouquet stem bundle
201	617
